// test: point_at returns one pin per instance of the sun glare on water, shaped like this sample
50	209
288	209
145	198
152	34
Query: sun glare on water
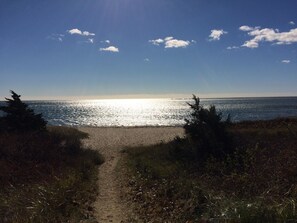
124	112
125	103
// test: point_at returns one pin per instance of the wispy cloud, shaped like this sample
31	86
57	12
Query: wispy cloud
292	23
112	49
171	42
105	41
56	37
86	33
146	60
90	40
251	44
268	35
79	32
286	61
156	42
232	47
216	34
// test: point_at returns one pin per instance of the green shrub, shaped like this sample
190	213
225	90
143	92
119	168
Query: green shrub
207	131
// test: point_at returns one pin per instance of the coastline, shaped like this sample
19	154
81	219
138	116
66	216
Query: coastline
122	136
124	127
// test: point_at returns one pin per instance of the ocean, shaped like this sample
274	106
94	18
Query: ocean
157	112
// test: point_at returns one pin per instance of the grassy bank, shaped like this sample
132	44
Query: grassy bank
257	183
47	176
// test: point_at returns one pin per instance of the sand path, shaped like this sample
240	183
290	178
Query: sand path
109	206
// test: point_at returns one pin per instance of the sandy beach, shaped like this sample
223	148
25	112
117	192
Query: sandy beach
109	206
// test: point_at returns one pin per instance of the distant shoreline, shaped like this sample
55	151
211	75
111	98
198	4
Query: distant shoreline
186	98
120	127
157	98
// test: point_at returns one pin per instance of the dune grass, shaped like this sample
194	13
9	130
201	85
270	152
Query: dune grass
47	177
257	183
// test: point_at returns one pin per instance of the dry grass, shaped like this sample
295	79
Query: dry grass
258	183
47	177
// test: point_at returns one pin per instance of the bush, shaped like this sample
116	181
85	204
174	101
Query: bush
20	118
207	131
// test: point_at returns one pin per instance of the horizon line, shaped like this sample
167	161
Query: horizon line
154	96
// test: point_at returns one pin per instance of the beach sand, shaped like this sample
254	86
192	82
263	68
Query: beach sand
109	141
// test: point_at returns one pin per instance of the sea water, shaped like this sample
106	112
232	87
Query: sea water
157	112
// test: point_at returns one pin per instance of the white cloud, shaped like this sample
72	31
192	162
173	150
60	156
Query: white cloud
79	32
74	31
146	60
248	28
270	35
216	34
90	40
292	23
232	47
110	49
286	61
193	41
171	42
175	43
107	41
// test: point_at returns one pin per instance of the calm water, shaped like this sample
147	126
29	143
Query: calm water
156	112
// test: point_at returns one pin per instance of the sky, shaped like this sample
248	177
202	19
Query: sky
61	49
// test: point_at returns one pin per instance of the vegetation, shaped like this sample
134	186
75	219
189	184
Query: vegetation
19	117
254	182
207	132
46	175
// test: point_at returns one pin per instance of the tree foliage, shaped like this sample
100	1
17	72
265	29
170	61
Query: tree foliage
207	131
19	117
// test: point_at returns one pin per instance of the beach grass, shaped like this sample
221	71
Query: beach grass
257	183
47	177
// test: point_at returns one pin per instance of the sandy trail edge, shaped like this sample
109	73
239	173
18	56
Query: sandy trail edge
109	207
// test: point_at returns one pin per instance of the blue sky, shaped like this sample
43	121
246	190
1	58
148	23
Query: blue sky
140	48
